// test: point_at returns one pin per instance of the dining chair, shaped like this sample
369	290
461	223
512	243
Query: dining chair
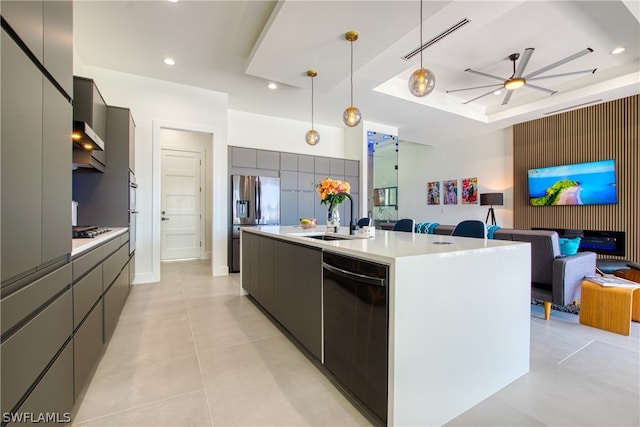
364	222
470	228
405	224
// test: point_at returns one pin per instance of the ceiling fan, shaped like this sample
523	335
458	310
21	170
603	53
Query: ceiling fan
517	80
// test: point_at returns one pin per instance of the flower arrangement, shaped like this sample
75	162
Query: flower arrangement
329	189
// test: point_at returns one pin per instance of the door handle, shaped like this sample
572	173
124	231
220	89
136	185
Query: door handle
164	218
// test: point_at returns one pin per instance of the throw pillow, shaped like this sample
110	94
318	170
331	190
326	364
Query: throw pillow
569	246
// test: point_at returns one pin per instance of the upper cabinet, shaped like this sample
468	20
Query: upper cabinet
90	124
46	29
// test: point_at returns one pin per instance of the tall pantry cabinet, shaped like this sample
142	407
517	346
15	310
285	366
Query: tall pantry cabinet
36	124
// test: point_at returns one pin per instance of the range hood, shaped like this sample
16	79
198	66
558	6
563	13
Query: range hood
85	138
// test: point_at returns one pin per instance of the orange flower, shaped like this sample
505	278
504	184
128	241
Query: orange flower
328	189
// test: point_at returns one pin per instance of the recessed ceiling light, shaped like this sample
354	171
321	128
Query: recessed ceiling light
272	86
169	61
617	50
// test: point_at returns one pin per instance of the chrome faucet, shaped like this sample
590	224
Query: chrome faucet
352	225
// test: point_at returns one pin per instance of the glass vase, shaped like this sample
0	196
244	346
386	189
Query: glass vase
333	219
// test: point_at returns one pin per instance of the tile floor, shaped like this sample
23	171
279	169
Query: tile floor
189	351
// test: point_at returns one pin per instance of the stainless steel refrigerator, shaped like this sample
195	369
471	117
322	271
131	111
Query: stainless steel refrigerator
255	200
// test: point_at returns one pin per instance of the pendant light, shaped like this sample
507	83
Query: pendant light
351	116
312	137
422	81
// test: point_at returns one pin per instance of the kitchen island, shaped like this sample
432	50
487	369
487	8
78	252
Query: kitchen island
458	310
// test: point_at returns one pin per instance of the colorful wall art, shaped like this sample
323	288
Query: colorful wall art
469	191
450	190
433	193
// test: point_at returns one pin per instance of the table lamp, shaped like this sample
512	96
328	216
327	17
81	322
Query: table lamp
491	199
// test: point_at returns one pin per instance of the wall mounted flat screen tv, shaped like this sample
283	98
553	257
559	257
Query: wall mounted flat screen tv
592	183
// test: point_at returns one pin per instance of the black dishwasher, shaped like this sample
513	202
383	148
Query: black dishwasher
356	327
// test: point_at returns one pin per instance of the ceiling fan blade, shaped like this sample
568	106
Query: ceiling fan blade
481	96
523	61
505	101
480	73
541	89
476	87
557	64
573	73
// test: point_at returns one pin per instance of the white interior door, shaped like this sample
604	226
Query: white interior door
180	204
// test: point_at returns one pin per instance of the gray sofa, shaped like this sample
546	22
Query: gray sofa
562	275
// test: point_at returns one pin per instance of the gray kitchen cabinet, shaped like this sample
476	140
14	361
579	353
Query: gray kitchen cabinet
103	198
283	277
58	50
265	273
306	181
114	298
86	293
268	160
54	392
306	201
56	173
250	247
323	167
25	18
296	279
307	307
351	168
306	163
21	159
288	162
244	157
336	167
88	345
27	352
289	207
90	108
288	180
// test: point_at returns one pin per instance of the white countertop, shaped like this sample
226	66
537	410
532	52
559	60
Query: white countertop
386	246
80	246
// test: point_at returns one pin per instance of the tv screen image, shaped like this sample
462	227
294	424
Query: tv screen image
592	183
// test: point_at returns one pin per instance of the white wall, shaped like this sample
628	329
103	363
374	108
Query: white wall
153	103
277	134
489	158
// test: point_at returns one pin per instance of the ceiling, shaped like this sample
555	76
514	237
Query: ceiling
237	47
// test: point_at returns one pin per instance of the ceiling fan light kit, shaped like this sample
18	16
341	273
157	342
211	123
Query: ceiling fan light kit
351	116
422	81
518	80
312	136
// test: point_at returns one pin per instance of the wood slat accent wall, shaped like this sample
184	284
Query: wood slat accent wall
600	132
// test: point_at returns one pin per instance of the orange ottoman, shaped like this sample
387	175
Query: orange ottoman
609	307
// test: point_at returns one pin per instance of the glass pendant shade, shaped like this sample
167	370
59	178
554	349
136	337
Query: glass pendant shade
422	82
312	137
351	116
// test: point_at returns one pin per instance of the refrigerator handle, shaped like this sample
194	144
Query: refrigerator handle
258	201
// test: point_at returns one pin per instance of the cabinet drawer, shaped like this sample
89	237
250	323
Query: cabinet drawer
87	347
85	294
110	247
113	265
114	300
27	352
124	238
22	303
54	392
86	262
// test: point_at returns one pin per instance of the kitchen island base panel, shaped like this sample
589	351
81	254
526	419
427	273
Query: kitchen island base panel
459	332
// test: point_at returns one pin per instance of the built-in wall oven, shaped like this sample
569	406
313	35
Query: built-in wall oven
133	212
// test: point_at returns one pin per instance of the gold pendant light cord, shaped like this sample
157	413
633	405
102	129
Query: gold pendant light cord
421	49
351	43
311	103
